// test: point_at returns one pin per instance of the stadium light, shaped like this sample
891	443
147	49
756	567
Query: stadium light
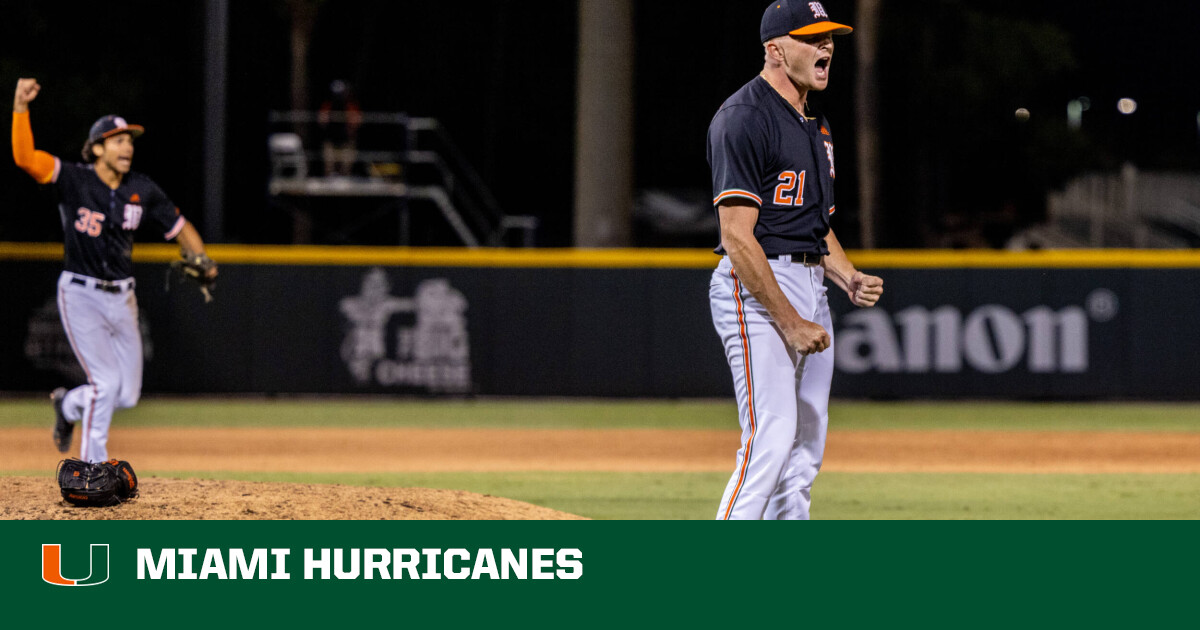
1075	111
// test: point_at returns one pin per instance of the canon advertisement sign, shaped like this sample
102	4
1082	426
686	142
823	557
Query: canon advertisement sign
938	333
989	339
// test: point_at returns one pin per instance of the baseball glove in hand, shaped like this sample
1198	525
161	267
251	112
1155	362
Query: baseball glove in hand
96	485
196	267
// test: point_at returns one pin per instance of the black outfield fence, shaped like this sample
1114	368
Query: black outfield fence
622	323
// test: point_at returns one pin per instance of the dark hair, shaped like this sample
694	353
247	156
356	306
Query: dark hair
88	156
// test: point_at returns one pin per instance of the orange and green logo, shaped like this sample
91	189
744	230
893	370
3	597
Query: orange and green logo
52	566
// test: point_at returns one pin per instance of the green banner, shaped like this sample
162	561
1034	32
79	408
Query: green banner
847	574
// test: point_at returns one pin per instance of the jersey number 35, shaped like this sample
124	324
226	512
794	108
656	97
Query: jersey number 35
89	222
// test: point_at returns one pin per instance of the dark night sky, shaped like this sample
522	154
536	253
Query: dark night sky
500	76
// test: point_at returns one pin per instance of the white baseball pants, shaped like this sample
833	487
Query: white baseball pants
103	330
782	397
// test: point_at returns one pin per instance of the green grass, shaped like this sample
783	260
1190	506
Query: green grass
620	414
941	496
1016	416
836	496
380	412
695	495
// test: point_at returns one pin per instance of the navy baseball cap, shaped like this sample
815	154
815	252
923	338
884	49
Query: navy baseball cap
797	17
110	126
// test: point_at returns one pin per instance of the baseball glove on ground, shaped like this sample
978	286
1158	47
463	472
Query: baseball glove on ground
127	481
96	485
195	267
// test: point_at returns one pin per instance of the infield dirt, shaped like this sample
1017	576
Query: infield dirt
206	499
362	450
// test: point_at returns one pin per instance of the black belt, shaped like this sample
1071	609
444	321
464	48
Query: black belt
804	258
102	285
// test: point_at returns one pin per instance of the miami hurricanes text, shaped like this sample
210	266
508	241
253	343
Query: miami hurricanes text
367	563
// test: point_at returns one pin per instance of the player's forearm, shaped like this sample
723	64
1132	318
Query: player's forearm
754	272
39	164
837	264
22	139
189	239
864	290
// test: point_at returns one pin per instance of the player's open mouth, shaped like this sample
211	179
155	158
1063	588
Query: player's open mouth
823	67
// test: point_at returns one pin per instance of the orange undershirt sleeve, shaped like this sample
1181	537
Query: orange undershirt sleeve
39	164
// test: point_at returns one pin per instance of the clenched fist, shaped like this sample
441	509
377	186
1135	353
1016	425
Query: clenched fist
27	90
864	290
806	337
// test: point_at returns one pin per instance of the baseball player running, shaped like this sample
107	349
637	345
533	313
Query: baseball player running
101	204
773	172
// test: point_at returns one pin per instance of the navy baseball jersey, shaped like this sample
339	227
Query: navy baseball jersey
99	222
762	151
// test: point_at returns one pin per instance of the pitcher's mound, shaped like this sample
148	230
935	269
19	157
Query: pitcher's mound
37	498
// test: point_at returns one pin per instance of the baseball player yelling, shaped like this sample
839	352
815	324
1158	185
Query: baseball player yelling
772	164
101	203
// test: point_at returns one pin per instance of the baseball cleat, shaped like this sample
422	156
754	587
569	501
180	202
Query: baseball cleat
62	428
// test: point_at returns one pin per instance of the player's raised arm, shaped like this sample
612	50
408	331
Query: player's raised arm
39	164
864	290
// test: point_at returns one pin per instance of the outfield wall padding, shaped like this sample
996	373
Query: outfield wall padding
1006	333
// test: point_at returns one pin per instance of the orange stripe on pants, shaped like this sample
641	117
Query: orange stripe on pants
737	297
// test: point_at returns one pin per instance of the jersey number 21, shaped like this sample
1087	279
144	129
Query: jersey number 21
790	191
